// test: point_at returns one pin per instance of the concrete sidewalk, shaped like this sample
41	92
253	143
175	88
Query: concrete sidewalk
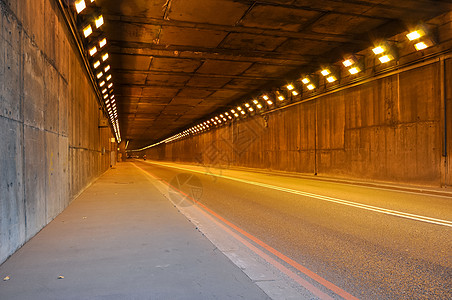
121	239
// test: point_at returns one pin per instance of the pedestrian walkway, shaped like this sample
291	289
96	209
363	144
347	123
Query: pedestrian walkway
121	239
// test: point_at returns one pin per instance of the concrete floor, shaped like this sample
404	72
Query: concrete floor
121	239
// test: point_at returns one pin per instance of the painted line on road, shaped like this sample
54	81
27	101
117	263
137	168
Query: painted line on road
212	215
326	198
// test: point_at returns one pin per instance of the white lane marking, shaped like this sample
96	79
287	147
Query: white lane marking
326	198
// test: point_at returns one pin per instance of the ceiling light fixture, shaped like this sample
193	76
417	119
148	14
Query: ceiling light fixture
379	50
87	31
99	21
386	58
102	42
416	34
93	51
325	72
80	6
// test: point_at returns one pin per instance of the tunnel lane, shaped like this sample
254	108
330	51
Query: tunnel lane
378	247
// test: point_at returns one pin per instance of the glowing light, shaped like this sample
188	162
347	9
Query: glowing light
265	97
242	112
99	21
80	6
107	68
102	84
386	58
108	77
311	87
93	51
110	85
281	98
103	42
414	35
331	79
255	101
306	80
250	109
104	91
422	45
236	114
259	106
347	63
295	93
96	64
239	108
105	57
325	72
269	102
290	87
378	50
354	70
99	75
87	31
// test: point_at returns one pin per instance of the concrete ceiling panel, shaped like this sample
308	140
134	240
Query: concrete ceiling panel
146	101
272	71
307	47
130	62
174	64
132	32
159	92
223	67
247	83
208	82
129	91
191	37
131	78
184	100
225	95
221	12
176	108
194	93
159	79
134	8
345	24
247	41
283	18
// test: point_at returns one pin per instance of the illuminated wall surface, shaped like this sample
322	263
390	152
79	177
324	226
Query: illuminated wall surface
386	123
51	147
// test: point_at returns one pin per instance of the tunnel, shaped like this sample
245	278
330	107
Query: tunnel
225	149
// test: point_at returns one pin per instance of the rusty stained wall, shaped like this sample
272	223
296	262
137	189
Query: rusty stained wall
51	145
388	130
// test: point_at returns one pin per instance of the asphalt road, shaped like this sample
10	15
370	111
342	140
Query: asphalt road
368	253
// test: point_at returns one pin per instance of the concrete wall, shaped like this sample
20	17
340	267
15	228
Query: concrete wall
389	129
51	146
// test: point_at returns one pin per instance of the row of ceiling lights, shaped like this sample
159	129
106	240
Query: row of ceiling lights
384	52
96	42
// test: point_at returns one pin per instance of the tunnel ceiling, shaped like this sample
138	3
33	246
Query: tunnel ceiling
176	61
